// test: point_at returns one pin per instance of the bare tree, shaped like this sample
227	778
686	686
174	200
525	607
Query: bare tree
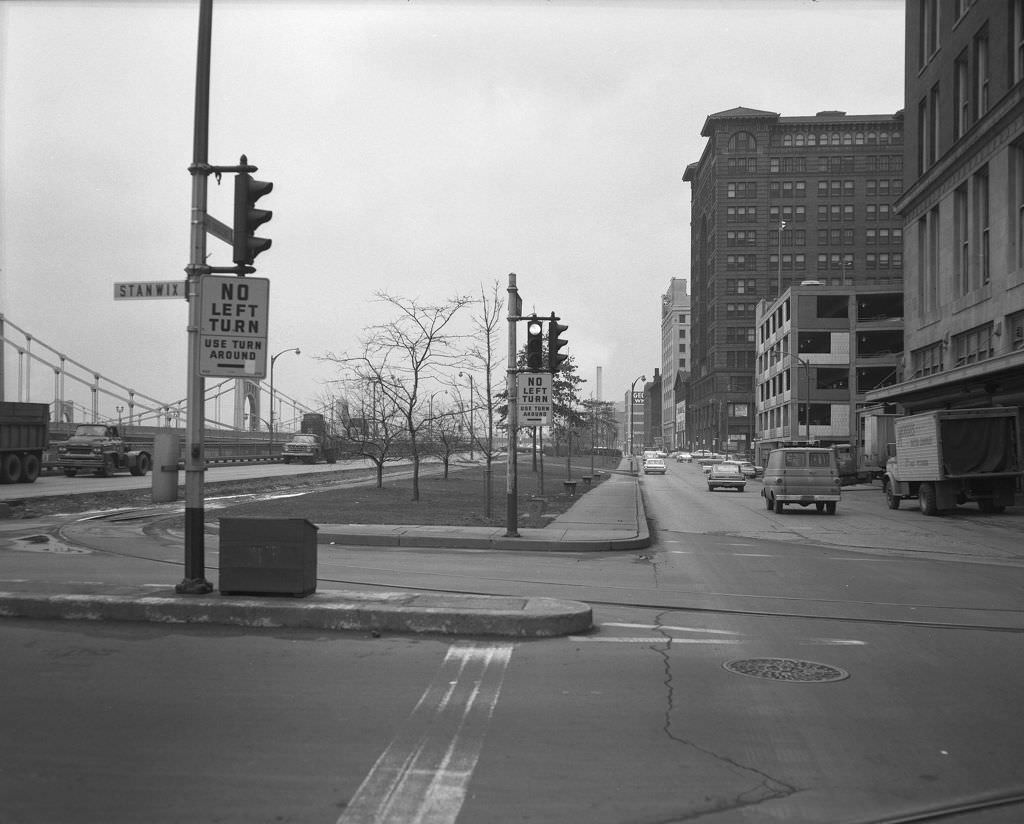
371	426
404	357
485	356
448	433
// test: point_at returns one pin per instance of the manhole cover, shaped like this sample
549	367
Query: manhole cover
786	669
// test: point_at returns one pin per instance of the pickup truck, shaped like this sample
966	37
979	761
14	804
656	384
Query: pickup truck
99	448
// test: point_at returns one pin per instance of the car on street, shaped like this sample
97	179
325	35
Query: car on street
654	466
684	457
726	475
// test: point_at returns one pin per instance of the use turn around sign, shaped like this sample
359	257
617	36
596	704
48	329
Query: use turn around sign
233	326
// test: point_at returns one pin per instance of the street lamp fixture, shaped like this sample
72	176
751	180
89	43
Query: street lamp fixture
273	360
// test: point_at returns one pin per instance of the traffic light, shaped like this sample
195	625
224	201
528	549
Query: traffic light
555	342
534	344
248	218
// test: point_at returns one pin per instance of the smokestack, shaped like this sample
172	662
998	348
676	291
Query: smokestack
599	397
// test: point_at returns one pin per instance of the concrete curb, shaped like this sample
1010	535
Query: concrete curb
333	611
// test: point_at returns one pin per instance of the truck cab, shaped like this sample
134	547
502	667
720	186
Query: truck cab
99	448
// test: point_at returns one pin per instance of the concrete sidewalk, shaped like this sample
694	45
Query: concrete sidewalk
609	517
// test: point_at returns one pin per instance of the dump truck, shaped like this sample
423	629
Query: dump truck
99	448
24	433
313	443
947	457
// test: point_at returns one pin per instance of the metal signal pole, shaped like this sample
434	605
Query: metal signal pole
194	582
515	309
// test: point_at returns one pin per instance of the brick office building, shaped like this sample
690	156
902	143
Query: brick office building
776	201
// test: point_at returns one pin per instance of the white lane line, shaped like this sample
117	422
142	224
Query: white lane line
654	639
834	642
751	555
673	628
423	774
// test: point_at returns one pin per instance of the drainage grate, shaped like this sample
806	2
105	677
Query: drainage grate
786	669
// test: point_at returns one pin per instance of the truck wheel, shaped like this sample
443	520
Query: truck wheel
778	507
29	468
820	506
141	466
989	506
892	500
10	468
926	496
767	501
830	507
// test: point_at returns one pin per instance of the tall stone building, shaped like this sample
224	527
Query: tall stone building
777	201
963	206
675	363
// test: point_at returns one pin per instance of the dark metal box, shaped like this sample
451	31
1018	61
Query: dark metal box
267	556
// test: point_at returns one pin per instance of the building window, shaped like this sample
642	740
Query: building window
973	345
981	209
933	125
928	35
1017	193
962	80
961	218
927	360
1015	326
981	74
1018	40
742	142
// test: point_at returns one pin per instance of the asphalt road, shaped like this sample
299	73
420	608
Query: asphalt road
57	484
681	706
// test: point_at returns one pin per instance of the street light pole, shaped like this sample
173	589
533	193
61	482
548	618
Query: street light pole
273	360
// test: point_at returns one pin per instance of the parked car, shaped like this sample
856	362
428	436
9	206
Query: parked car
684	457
654	466
726	475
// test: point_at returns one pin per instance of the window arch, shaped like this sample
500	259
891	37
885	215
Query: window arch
743	142
799	138
787	140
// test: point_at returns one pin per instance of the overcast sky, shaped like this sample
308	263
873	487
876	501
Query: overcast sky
424	148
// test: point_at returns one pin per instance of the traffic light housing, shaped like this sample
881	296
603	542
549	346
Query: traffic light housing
555	342
248	218
534	344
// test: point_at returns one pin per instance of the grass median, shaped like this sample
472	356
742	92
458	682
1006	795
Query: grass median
349	496
458	500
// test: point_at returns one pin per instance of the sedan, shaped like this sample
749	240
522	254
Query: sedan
726	475
655	466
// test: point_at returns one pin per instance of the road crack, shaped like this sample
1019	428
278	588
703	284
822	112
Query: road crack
765	786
